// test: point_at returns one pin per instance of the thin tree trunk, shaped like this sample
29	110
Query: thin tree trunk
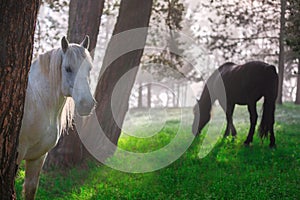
168	99
281	51
140	96
184	95
298	85
178	95
16	33
175	94
132	14
84	19
149	95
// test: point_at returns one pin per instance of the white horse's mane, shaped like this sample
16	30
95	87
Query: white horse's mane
50	64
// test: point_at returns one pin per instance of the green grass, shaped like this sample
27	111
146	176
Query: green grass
228	171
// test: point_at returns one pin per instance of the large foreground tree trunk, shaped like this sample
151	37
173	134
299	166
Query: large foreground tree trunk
298	85
281	51
84	19
17	22
117	65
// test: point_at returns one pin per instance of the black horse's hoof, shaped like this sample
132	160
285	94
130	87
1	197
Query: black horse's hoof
272	146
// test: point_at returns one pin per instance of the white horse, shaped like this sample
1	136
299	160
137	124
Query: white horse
54	78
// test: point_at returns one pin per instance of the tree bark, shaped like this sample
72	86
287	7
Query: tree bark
281	51
84	19
298	85
132	14
17	22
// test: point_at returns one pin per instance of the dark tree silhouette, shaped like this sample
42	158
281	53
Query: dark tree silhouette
281	50
132	14
293	37
17	22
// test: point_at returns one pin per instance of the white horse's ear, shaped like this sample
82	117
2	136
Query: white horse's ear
44	61
86	42
64	44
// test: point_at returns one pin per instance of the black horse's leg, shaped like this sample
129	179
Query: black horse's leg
253	120
233	130
272	138
226	133
229	112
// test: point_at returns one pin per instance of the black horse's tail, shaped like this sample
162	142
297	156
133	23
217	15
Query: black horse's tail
267	120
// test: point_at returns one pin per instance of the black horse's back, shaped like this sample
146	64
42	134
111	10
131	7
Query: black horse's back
227	64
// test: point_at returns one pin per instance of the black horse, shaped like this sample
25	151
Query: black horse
244	85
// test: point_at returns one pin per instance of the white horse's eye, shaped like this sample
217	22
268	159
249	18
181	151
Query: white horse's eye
68	69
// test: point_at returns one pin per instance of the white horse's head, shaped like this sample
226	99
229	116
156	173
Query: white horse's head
76	67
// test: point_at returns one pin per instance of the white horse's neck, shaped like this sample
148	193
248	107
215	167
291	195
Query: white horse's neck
48	96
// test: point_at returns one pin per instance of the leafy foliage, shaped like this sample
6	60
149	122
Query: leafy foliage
244	29
52	24
166	24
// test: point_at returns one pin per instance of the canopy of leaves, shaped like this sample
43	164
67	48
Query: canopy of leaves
168	61
243	29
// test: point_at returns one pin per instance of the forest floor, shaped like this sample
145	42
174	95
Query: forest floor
207	167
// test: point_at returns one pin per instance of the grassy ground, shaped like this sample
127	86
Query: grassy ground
228	171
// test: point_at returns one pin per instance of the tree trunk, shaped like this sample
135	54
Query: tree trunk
149	95
175	94
16	33
84	19
298	85
168	98
140	96
184	95
178	95
281	51
133	14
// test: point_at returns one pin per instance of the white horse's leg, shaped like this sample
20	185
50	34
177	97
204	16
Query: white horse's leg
21	154
32	173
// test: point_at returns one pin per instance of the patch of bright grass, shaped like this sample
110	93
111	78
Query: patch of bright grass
228	171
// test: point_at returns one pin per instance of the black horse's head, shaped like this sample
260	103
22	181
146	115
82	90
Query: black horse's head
201	116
